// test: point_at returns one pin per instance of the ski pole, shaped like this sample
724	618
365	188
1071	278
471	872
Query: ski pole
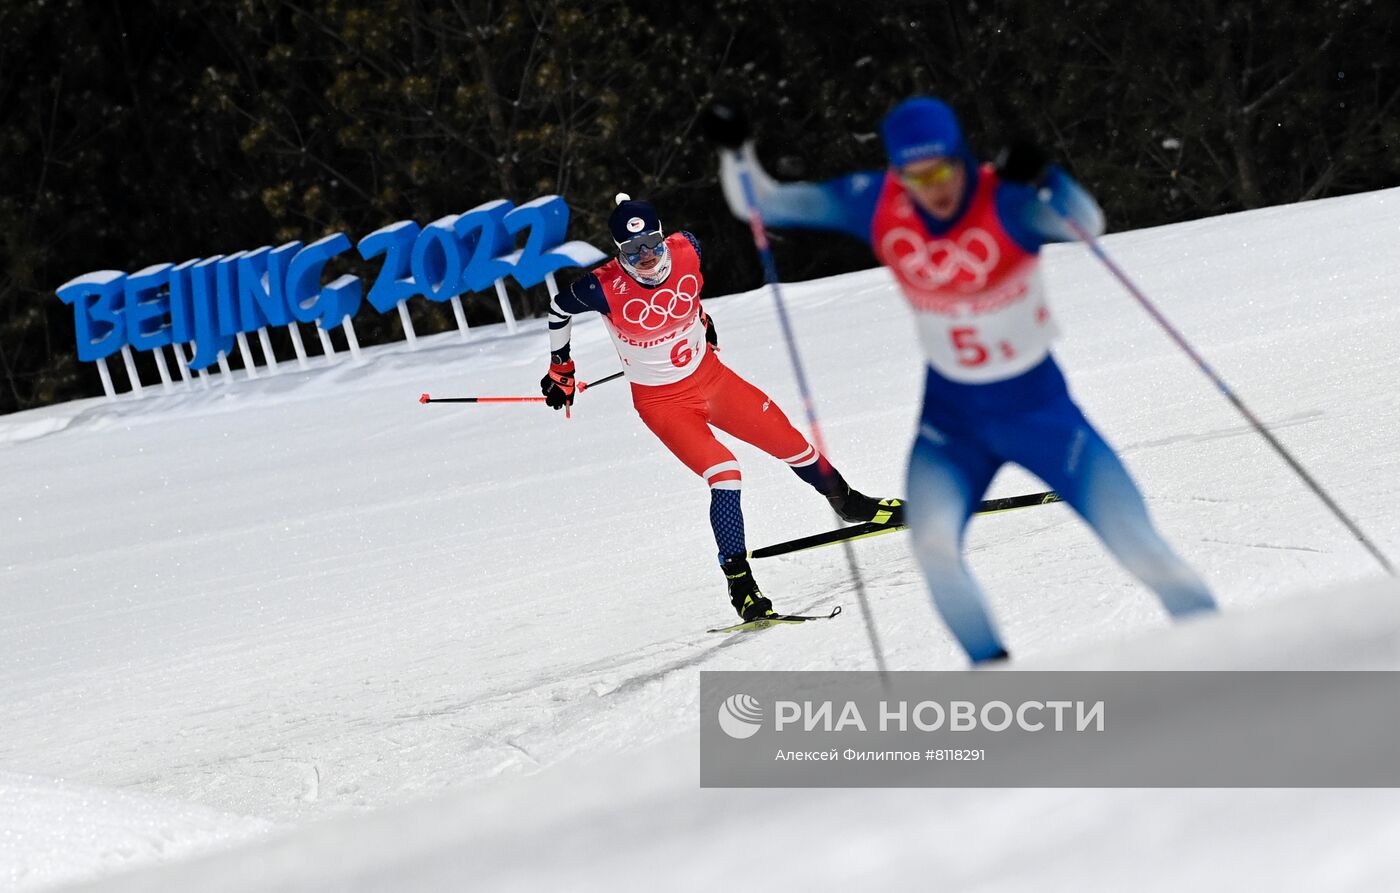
770	274
427	399
1094	246
582	386
585	385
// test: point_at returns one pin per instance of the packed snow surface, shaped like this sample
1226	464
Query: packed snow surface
359	643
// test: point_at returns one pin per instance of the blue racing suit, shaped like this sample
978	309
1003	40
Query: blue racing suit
993	393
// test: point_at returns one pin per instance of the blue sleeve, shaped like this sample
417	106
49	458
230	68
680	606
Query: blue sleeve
694	243
845	204
584	295
1035	216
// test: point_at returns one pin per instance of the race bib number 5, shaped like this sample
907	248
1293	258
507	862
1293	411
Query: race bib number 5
971	352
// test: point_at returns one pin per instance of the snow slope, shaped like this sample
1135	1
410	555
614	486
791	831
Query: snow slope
635	821
307	598
52	831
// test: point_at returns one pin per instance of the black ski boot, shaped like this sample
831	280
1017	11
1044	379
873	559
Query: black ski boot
857	508
743	591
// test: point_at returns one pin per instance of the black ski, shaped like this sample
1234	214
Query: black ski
765	622
869	529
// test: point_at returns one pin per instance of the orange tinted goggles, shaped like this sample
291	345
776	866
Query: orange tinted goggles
932	175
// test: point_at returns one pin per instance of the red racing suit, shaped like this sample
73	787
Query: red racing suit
680	388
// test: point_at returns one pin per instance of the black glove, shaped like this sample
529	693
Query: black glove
1023	161
558	386
711	338
725	123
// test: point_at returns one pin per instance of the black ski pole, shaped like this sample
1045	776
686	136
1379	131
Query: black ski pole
582	386
585	385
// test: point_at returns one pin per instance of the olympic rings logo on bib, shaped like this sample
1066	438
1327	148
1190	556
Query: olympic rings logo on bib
664	305
935	264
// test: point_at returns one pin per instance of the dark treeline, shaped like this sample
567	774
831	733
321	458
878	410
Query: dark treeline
135	133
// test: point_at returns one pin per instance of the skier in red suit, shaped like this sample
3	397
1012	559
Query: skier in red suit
649	297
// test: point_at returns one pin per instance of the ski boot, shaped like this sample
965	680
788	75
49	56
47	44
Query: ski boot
743	591
857	508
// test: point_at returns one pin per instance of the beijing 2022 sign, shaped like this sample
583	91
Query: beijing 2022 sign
210	301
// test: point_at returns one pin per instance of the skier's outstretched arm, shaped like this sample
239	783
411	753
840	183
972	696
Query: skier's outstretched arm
845	204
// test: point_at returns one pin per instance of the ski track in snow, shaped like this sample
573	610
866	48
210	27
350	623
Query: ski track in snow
309	597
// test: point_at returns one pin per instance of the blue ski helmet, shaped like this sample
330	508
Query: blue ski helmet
922	127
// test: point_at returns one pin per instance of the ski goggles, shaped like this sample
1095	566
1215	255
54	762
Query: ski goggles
932	175
652	243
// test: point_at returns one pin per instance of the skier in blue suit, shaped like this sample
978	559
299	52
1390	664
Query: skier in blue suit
963	241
